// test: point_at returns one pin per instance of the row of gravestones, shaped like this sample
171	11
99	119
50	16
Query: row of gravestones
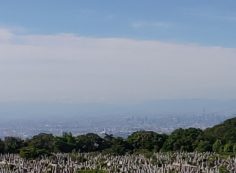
158	163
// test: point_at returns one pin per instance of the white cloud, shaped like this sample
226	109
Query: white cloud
66	67
5	35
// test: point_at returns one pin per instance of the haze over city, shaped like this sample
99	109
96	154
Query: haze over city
103	61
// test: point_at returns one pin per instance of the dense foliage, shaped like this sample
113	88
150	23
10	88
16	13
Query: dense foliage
220	138
182	140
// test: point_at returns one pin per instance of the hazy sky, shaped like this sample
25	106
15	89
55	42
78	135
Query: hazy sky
117	51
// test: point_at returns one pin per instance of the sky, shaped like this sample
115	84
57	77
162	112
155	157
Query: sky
117	51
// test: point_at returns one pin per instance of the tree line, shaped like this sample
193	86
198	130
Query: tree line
220	138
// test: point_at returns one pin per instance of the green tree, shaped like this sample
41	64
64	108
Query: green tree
148	140
234	148
203	146
32	152
118	146
66	143
228	148
62	146
42	141
12	144
217	146
182	140
223	169
68	137
2	146
90	142
226	131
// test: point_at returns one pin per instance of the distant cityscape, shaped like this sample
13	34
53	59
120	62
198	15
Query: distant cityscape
118	125
163	116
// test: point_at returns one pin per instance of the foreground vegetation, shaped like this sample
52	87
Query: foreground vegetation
91	171
96	162
220	139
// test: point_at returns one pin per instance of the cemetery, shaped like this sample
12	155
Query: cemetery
177	162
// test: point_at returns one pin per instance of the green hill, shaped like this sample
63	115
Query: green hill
226	131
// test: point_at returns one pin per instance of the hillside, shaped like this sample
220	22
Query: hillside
225	131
